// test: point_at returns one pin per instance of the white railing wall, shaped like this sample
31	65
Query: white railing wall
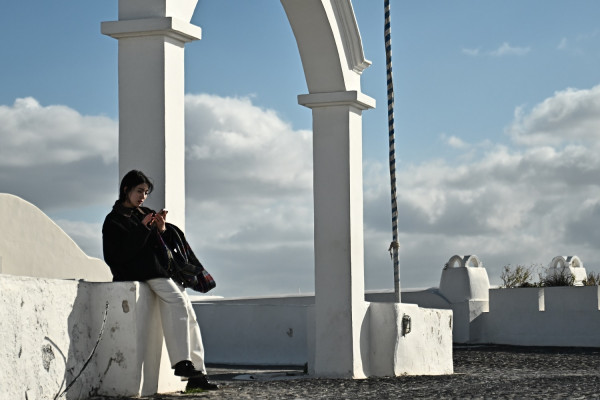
49	328
551	316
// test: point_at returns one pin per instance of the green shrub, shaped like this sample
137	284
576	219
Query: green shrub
562	278
522	276
593	279
519	277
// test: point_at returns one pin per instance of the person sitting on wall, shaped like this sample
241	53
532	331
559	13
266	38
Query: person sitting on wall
132	251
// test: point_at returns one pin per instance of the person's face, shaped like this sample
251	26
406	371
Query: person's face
136	196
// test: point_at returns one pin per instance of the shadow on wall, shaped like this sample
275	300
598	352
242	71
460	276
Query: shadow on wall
365	342
78	358
44	335
83	336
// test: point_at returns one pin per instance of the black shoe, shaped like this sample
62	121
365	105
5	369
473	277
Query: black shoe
186	369
200	382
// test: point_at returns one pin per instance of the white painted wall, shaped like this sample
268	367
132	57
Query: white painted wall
63	317
49	328
280	331
253	334
552	316
425	350
555	316
464	287
31	244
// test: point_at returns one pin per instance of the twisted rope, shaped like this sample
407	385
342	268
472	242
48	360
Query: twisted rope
394	246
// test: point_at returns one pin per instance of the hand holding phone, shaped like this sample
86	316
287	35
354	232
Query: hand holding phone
148	219
160	219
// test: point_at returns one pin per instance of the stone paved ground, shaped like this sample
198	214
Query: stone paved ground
480	372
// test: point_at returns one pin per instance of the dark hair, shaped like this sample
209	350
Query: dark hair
131	180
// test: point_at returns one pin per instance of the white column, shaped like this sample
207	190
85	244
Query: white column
338	207
152	35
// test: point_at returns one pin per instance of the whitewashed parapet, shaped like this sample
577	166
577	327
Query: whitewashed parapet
561	265
549	316
523	300
31	244
49	327
572	299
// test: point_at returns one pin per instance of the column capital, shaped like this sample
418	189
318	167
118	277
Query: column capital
327	99
162	26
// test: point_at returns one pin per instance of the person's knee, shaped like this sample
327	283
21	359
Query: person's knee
174	299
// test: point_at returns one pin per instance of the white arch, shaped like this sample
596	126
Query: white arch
566	261
471	261
571	264
329	44
153	33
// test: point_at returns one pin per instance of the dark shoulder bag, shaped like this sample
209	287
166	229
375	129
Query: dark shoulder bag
183	266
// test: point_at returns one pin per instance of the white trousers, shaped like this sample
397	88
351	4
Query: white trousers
179	323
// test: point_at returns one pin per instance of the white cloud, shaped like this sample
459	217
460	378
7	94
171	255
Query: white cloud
454	142
35	135
588	35
249	200
235	140
511	205
563	44
506	49
470	52
570	116
508	207
249	189
580	44
249	185
55	157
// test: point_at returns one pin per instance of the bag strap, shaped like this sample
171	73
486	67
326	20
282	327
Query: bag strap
179	245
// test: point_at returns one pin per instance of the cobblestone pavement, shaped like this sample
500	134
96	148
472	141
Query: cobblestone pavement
494	372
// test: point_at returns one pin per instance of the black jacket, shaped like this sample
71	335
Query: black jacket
131	249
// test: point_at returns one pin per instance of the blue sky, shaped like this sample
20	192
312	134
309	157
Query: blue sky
497	121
